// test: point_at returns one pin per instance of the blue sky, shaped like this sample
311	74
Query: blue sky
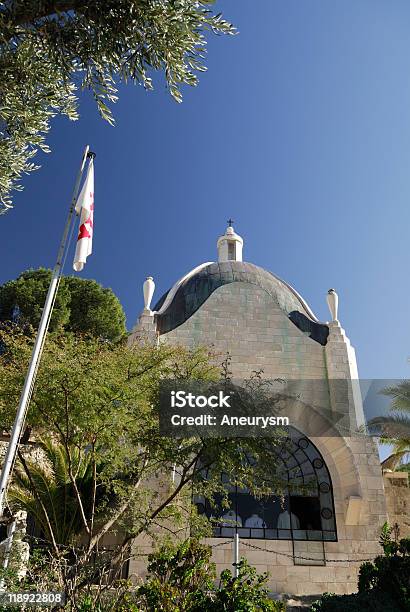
300	130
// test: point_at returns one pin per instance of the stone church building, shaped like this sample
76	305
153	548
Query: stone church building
318	541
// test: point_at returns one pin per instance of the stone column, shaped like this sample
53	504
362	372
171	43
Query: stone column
341	364
145	330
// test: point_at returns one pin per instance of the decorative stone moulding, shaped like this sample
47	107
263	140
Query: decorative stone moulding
333	303
148	289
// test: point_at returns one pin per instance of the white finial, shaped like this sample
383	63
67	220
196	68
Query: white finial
230	245
333	303
148	288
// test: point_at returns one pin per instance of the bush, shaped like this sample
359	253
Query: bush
358	602
404	546
384	585
389	573
181	579
245	593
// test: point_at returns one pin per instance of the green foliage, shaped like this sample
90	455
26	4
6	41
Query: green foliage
41	576
28	293
48	50
367	576
395	428
94	309
44	489
95	405
384	584
81	306
33	89
389	546
245	593
358	602
181	579
390	574
404	546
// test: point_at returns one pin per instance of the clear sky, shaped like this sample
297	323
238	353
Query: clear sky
300	130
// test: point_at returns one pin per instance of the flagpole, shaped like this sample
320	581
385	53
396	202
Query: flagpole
38	346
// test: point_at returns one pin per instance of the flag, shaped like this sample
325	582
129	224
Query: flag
85	208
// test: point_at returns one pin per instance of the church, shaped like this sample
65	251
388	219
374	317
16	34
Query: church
317	541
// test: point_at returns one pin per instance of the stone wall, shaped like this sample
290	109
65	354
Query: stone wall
247	322
397	488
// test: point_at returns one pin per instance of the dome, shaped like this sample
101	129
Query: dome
179	303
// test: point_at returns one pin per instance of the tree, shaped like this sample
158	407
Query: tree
45	491
51	48
395	428
81	306
99	402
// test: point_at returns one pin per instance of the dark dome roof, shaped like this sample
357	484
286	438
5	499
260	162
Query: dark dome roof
189	294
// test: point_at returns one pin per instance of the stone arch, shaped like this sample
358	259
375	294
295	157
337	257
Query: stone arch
305	512
341	463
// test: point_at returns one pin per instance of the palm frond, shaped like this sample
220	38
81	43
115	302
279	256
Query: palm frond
50	486
400	394
395	426
393	461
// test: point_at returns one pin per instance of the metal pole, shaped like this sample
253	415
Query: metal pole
236	554
38	345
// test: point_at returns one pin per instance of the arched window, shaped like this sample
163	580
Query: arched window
304	513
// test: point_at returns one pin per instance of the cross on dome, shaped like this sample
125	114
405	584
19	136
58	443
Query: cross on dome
230	245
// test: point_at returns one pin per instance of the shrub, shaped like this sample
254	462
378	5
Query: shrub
389	574
389	546
244	593
181	579
384	584
358	602
404	546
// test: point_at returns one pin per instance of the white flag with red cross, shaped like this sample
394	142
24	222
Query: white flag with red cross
85	208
